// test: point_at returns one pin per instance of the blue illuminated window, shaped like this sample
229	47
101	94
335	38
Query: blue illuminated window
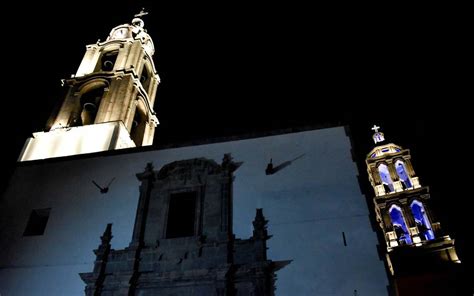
421	220
385	177
399	225
402	174
385	150
373	155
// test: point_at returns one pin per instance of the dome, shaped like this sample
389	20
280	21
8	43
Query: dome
134	31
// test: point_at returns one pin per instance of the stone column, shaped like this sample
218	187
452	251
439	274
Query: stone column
147	178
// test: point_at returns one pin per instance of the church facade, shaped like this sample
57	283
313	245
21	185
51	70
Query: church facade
182	241
90	210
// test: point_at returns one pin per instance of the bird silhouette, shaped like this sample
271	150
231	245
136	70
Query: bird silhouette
270	170
104	189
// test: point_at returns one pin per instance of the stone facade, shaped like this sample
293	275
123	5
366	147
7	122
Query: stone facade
205	259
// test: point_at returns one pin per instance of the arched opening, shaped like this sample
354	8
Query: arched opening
145	76
385	177
86	110
421	220
399	225
137	131
107	61
403	174
90	102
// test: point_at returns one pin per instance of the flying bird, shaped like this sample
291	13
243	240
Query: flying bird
104	189
270	170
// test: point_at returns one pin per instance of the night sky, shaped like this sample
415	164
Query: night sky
242	68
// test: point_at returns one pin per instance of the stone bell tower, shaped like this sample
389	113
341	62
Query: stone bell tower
421	258
109	102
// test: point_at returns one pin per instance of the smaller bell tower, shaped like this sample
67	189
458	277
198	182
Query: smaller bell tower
109	102
421	258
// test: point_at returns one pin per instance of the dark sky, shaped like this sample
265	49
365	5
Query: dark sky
243	68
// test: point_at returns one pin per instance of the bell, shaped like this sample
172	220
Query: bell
88	113
90	107
108	65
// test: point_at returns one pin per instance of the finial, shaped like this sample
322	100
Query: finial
141	13
107	236
260	226
378	136
228	163
149	167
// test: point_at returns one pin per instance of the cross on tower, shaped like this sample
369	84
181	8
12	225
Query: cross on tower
375	128
141	13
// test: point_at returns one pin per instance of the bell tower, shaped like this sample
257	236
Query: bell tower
109	102
421	258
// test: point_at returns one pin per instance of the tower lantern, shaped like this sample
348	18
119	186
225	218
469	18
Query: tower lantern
109	102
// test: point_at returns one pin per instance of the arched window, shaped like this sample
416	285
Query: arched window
107	61
385	177
90	103
86	109
421	220
402	174
399	225
139	123
145	76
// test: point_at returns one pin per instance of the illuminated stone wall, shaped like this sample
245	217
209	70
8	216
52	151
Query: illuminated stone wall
309	204
77	140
